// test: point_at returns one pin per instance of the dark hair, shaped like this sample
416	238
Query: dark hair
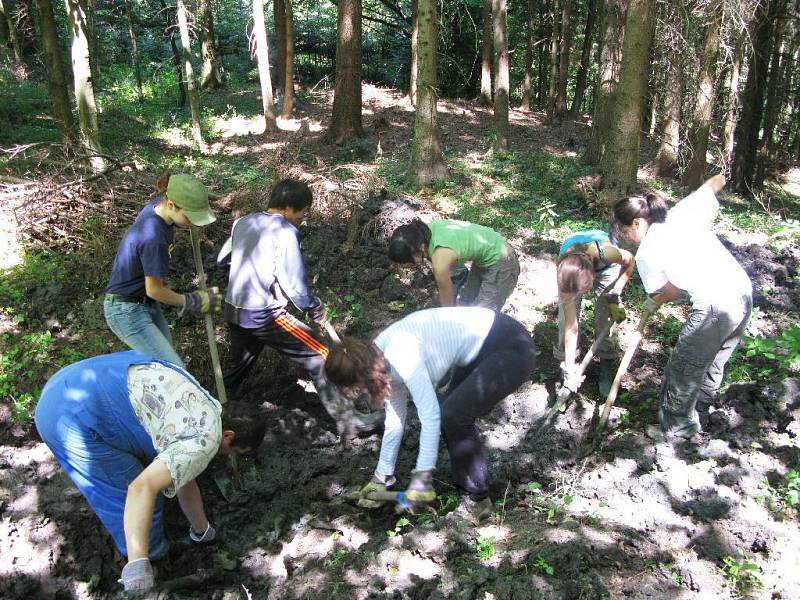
575	273
290	193
355	361
248	423
407	240
652	208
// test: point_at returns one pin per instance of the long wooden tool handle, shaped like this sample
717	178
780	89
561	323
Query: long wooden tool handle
212	341
332	333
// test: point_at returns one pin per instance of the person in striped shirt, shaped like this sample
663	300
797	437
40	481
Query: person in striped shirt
491	355
267	272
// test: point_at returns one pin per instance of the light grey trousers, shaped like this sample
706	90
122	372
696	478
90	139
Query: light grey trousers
695	367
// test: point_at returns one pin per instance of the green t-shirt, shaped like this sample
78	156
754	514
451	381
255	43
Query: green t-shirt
481	245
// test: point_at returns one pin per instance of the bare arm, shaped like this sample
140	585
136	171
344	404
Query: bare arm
621	257
667	293
191	502
570	335
716	183
154	288
443	260
139	505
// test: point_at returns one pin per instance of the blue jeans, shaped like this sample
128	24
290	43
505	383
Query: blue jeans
143	328
85	417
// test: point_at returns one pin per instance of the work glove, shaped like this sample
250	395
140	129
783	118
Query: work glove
208	536
651	306
201	302
317	314
615	308
420	489
571	378
137	577
377	484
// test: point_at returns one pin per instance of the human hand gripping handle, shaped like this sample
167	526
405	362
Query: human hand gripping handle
137	577
651	305
616	309
378	483
208	536
572	377
201	302
420	489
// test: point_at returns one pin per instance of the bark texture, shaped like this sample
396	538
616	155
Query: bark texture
137	67
188	72
526	83
288	69
54	64
261	51
210	78
501	77
565	41
346	118
170	24
670	137
586	50
486	55
412	78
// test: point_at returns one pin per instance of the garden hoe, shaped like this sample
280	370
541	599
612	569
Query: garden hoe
593	438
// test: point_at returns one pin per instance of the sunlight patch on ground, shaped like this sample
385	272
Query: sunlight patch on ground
792	185
10	243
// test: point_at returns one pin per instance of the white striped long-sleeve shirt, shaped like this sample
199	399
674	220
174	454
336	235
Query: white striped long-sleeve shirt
421	349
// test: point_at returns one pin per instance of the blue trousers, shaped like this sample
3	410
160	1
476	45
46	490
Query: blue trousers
85	417
143	328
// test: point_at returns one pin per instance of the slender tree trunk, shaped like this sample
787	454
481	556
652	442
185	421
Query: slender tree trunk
486	55
563	59
412	79
733	98
526	84
6	8
279	13
427	163
542	66
5	40
346	119
188	72
612	34
704	106
288	71
747	131
501	77
137	67
170	24
773	82
53	59
620	162
210	78
552	88
262	57
670	138
94	44
586	50
82	75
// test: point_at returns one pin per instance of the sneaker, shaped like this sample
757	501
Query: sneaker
474	511
606	377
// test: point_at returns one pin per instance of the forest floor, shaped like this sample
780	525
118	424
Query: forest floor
632	520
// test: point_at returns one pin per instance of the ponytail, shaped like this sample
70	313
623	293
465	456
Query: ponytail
652	208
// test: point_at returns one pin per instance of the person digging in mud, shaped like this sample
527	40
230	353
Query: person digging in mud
266	273
448	245
491	355
679	253
136	289
129	430
590	260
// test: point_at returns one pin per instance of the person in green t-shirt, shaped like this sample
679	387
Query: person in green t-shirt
448	245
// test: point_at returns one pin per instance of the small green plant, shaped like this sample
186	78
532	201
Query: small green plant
791	492
543	566
484	547
547	214
354	308
338	556
398	527
741	573
534	488
447	503
674	573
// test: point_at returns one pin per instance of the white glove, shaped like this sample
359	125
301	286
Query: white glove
206	537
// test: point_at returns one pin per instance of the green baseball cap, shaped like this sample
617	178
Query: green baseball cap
188	193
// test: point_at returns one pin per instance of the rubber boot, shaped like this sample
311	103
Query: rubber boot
606	377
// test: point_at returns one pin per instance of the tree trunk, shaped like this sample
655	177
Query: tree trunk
6	9
563	59
620	162
288	71
773	81
733	98
612	34
552	88
262	57
427	163
188	72
53	59
279	13
704	107
542	55
210	78
486	55
5	40
501	77
82	76
94	44
412	78
137	67
586	50
169	31
670	138
747	138
526	84
346	118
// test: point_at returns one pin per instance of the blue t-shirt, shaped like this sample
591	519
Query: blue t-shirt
144	251
584	237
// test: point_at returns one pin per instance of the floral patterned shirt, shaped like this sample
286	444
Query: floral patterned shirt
183	420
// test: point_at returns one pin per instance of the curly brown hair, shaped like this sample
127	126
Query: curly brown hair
356	362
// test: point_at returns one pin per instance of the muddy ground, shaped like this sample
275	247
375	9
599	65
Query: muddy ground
633	520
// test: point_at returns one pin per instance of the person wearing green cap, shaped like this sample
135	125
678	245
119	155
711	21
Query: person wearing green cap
136	289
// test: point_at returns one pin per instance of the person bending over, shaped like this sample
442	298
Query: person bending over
448	245
491	354
129	430
590	260
678	252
